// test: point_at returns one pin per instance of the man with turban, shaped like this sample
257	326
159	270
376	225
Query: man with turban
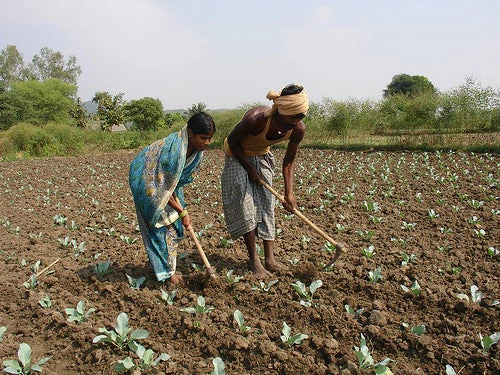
249	206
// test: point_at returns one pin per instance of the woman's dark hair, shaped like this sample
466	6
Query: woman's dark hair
201	123
291	89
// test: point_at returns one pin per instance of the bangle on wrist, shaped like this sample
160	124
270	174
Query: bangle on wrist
183	213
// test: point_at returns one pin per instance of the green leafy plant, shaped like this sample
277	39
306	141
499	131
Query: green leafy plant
135	283
128	240
238	316
146	357
375	275
413	289
31	283
79	314
407	258
169	298
23	366
102	268
60	220
492	252
488	341
356	313
476	295
371	206
366	361
45	302
119	337
290	339
416	330
218	367
365	235
233	279
2	331
369	251
304	292
263	287
198	308
408	226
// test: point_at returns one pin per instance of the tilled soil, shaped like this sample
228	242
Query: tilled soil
439	210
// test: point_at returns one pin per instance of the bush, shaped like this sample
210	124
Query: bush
29	138
7	147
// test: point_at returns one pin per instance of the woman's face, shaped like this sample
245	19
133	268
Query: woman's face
199	142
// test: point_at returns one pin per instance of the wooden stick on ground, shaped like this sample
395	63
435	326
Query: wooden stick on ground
46	268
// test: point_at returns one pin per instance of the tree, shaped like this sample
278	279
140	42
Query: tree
409	85
51	64
145	113
110	109
37	102
196	108
171	118
11	67
79	114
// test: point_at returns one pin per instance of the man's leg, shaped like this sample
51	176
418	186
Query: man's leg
255	263
271	264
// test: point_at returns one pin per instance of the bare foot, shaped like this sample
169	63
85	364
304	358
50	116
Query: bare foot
176	279
259	271
273	266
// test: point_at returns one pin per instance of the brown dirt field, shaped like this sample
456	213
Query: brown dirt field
331	188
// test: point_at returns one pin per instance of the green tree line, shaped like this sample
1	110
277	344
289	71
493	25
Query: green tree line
38	99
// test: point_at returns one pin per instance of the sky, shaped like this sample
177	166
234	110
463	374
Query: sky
227	53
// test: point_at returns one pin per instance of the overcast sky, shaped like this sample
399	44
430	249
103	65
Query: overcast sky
225	53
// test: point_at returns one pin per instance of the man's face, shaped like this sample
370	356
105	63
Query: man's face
291	121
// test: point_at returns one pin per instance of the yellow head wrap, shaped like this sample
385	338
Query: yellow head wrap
287	104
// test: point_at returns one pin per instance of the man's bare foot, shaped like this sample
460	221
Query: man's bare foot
273	266
176	279
259	271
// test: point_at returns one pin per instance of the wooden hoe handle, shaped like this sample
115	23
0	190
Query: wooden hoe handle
210	269
338	246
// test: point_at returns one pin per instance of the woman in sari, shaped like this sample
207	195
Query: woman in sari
156	178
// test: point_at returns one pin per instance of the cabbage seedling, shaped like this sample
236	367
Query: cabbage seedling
45	302
238	316
263	287
366	361
127	239
351	311
488	341
169	298
407	258
102	268
79	314
375	275
476	295
199	308
232	279
450	370
293	261
24	366
303	292
2	331
218	367
290	339
60	220
31	283
119	337
413	289
492	252
369	251
135	283
146	360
